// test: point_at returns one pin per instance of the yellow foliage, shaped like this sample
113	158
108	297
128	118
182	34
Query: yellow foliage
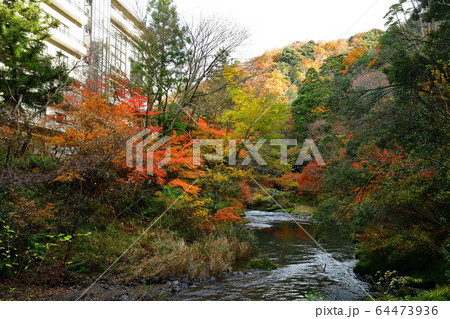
68	176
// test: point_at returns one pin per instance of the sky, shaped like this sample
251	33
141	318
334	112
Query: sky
276	23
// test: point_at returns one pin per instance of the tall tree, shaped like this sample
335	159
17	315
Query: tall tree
418	53
311	97
212	41
176	61
162	55
29	79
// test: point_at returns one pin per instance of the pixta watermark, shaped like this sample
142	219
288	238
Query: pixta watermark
141	147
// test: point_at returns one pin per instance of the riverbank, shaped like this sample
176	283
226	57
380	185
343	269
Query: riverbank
268	205
279	238
110	289
219	272
160	263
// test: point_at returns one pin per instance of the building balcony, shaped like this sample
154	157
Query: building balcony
69	42
72	8
125	9
126	26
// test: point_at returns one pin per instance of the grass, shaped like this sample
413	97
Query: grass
314	295
166	256
436	294
161	254
263	263
303	209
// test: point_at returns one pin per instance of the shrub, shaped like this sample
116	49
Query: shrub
263	263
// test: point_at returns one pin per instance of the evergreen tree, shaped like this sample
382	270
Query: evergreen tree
161	55
29	79
312	94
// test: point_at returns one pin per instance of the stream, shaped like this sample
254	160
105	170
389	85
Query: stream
300	261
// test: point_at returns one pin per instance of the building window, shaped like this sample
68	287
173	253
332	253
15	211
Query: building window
62	59
100	25
118	52
63	29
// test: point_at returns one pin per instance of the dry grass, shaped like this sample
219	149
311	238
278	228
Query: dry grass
164	256
303	209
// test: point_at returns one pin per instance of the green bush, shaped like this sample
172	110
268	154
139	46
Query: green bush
263	263
42	162
437	294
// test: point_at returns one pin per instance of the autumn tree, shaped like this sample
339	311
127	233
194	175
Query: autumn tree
260	108
178	63
211	43
388	186
92	131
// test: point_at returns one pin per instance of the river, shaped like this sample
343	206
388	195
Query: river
303	266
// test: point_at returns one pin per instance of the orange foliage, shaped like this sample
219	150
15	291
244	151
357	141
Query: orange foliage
246	191
188	188
356	165
357	40
352	57
206	130
307	63
227	215
385	164
289	181
92	127
268	84
93	130
319	110
335	47
310	180
374	62
264	62
31	216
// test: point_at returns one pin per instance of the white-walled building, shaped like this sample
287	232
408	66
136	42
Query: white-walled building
95	37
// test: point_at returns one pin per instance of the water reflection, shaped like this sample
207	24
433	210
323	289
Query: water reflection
287	231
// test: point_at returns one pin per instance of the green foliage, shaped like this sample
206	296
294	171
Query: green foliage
7	251
289	56
162	54
369	39
314	295
309	104
387	151
263	263
307	50
254	116
401	288
437	294
22	249
96	252
420	68
27	76
29	162
332	65
389	283
30	80
42	162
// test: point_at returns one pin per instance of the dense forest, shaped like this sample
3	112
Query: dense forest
375	104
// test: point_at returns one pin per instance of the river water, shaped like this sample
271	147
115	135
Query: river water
303	266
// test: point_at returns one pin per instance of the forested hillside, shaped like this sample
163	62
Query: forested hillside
375	104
